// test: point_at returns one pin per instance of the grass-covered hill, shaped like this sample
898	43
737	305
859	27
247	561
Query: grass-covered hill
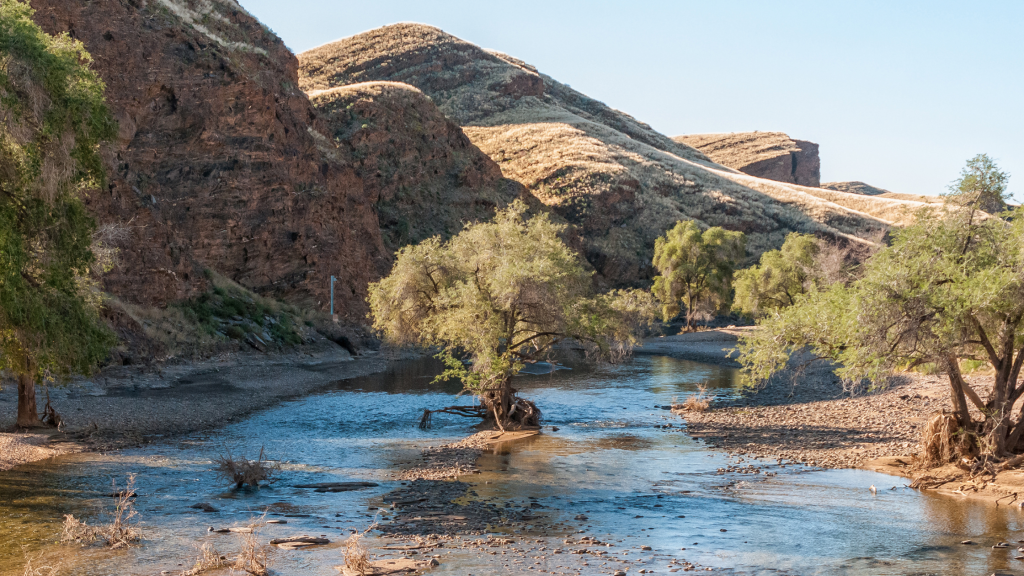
620	182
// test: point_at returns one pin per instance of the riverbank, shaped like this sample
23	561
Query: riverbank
716	346
132	405
810	419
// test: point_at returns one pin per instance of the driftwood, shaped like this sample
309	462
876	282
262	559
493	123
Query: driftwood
467	411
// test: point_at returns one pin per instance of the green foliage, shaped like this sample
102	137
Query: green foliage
52	120
779	279
949	288
220	309
695	268
501	293
982	185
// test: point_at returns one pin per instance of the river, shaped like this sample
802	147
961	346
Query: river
612	461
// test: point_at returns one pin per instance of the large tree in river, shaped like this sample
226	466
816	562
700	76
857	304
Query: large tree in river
948	288
52	121
500	294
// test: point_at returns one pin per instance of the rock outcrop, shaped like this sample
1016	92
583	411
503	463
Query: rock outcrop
420	169
771	155
855	187
216	164
616	180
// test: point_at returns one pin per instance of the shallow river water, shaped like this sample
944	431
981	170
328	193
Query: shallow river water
636	482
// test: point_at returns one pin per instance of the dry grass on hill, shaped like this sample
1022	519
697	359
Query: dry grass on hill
740	148
618	180
857	187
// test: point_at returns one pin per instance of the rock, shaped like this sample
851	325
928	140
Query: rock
645	547
204	506
277	521
338	486
619	573
225	145
299	542
581	517
770	155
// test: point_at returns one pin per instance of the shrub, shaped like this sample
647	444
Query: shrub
247	472
123	529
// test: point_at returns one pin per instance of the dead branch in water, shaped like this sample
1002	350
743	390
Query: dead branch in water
467	411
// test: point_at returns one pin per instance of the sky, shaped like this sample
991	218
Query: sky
897	94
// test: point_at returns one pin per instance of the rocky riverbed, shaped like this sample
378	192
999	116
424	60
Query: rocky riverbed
812	420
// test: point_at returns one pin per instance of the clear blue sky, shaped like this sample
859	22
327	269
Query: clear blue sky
898	94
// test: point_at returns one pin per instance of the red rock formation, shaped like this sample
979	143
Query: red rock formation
425	175
216	165
770	155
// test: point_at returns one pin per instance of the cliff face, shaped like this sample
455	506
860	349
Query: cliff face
770	155
420	169
620	183
216	163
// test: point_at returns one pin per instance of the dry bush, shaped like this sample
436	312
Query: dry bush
247	472
698	402
944	441
123	529
357	558
253	557
46	570
208	559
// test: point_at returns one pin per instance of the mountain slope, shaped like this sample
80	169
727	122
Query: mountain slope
420	169
216	166
618	180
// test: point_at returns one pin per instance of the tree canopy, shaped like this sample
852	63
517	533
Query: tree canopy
948	288
502	293
52	120
695	269
780	277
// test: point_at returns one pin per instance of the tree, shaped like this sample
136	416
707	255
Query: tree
982	186
695	269
948	288
779	279
502	294
52	120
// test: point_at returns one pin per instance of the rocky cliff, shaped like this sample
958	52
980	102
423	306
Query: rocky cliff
618	181
420	169
771	155
216	163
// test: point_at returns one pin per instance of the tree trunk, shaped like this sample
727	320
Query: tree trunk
28	413
509	411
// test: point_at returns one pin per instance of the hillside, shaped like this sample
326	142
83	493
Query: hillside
857	187
771	155
615	178
422	172
215	166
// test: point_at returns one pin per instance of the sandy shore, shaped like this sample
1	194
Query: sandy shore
126	406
